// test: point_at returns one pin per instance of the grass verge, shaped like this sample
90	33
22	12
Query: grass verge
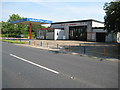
13	41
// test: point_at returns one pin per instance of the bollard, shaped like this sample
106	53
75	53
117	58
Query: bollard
69	47
79	44
84	50
17	39
47	44
34	43
40	43
57	45
29	42
104	51
25	42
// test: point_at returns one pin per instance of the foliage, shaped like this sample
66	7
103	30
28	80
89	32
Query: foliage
4	27
13	41
112	17
14	30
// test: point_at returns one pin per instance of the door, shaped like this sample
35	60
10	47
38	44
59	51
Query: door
100	37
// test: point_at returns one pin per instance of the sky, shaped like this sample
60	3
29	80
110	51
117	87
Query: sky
54	10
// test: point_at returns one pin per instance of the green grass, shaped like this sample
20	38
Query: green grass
13	41
4	35
25	35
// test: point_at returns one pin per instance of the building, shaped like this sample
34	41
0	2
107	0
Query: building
82	30
50	34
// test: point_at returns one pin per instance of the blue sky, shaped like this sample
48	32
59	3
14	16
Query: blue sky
55	11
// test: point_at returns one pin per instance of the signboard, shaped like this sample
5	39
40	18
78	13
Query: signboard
30	20
74	24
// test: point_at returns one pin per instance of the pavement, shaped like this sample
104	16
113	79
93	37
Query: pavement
93	49
28	67
77	51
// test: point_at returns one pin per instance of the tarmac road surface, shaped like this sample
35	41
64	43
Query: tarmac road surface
27	67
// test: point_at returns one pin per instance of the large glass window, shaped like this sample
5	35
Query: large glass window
78	33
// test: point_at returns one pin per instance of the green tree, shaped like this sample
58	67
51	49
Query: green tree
112	17
14	17
4	27
13	30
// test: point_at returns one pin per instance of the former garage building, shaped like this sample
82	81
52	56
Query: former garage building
82	30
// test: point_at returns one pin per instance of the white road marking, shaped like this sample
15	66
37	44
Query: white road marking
34	64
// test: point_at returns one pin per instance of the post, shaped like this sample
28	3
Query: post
57	45
80	44
47	44
30	31
34	43
40	43
17	39
25	41
29	42
104	51
84	50
69	47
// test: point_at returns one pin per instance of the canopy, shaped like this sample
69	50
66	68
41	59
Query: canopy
31	20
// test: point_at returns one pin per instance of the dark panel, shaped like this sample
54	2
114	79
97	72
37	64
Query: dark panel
78	33
100	37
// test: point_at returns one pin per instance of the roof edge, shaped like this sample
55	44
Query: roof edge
78	21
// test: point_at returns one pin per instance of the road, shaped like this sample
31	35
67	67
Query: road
26	67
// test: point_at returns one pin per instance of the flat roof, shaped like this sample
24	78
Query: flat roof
77	21
46	29
31	20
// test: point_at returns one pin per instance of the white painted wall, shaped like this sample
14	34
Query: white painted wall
97	24
99	30
59	34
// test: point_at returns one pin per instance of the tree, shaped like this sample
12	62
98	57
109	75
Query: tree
14	17
112	17
13	30
4	27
